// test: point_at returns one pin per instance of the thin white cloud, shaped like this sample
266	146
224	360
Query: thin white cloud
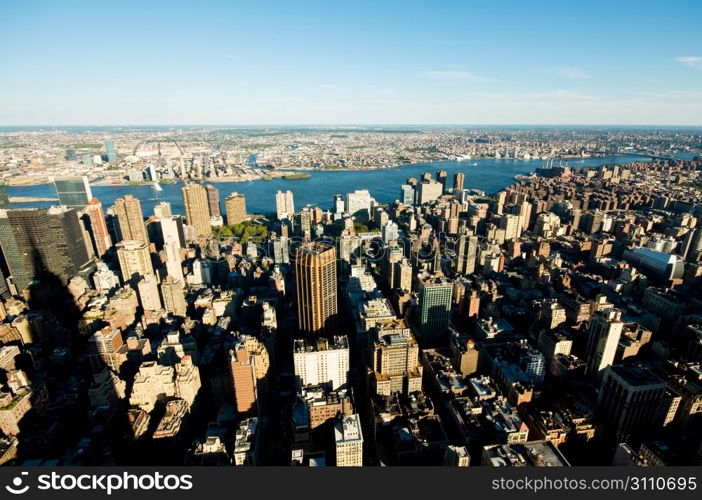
455	75
690	61
327	86
574	72
553	95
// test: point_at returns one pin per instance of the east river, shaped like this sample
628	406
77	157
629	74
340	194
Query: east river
384	184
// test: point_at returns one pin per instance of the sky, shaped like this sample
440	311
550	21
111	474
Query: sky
350	62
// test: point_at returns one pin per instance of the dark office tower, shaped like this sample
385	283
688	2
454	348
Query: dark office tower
466	253
433	312
4	289
110	150
441	176
458	179
4	200
315	273
629	398
96	225
213	201
38	240
71	154
73	192
130	219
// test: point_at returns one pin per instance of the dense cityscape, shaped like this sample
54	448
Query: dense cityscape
554	322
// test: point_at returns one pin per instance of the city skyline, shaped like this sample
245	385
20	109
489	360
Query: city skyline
318	63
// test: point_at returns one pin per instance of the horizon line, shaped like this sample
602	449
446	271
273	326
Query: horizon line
326	125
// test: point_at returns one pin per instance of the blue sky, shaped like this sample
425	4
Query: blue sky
336	62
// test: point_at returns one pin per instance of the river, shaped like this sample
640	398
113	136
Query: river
488	175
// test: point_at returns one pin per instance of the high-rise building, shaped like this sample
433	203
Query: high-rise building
325	361
348	439
402	276
315	274
407	194
604	334
359	200
243	375
433	311
441	177
173	241
37	241
110	150
197	209
339	204
173	295
391	232
284	206
149	298
629	399
395	359
134	259
163	210
466	253
94	219
235	205
458	179
103	348
429	190
512	226
213	201
130	219
73	192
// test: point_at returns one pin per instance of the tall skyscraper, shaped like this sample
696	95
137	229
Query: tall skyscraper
466	253
442	176
433	312
134	259
73	192
629	398
359	200
149	298
235	205
284	205
315	274
173	241
197	209
458	179
130	219
163	210
213	201
35	241
96	225
604	334
110	150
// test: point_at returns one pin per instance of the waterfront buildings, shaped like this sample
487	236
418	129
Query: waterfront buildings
284	205
73	192
197	209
